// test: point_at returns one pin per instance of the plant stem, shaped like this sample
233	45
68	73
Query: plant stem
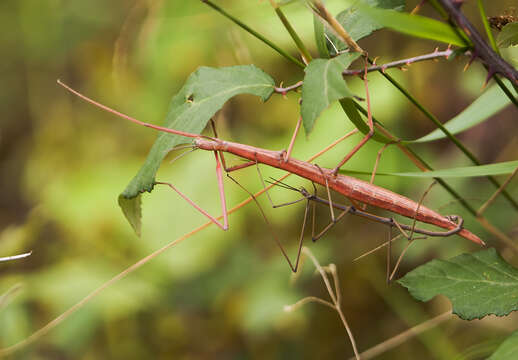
450	136
300	45
494	62
490	36
254	33
400	63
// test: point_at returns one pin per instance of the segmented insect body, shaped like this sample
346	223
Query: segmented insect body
349	186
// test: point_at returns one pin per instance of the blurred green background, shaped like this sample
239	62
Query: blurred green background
217	295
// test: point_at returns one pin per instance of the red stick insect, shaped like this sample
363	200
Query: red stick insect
352	188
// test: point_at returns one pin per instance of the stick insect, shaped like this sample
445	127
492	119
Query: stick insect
352	188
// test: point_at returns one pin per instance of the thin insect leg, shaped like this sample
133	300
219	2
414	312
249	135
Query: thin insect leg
124	116
401	230
221	189
370	123
186	146
193	204
378	158
292	141
389	251
383	244
419	206
331	224
328	194
232	168
278	183
375	169
182	155
497	192
399	260
313	212
283	251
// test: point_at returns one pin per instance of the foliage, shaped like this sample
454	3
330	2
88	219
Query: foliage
477	284
228	289
323	85
508	349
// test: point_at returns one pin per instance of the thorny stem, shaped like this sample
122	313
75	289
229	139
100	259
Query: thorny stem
400	63
285	90
494	62
254	33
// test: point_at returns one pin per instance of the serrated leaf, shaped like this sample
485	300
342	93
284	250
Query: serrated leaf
508	36
508	349
477	284
357	24
204	93
323	84
486	105
414	25
460	172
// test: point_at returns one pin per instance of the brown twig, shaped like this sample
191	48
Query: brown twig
481	49
404	336
285	90
335	295
400	63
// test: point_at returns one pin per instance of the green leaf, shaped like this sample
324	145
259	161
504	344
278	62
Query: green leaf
481	350
510	54
508	36
477	284
486	105
354	116
132	210
414	25
323	84
204	93
508	349
320	37
460	172
359	25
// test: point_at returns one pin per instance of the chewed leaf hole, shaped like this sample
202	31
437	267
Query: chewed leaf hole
190	98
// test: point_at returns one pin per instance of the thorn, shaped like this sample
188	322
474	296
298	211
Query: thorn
473	57
490	74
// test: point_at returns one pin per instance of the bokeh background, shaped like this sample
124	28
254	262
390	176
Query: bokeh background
217	295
